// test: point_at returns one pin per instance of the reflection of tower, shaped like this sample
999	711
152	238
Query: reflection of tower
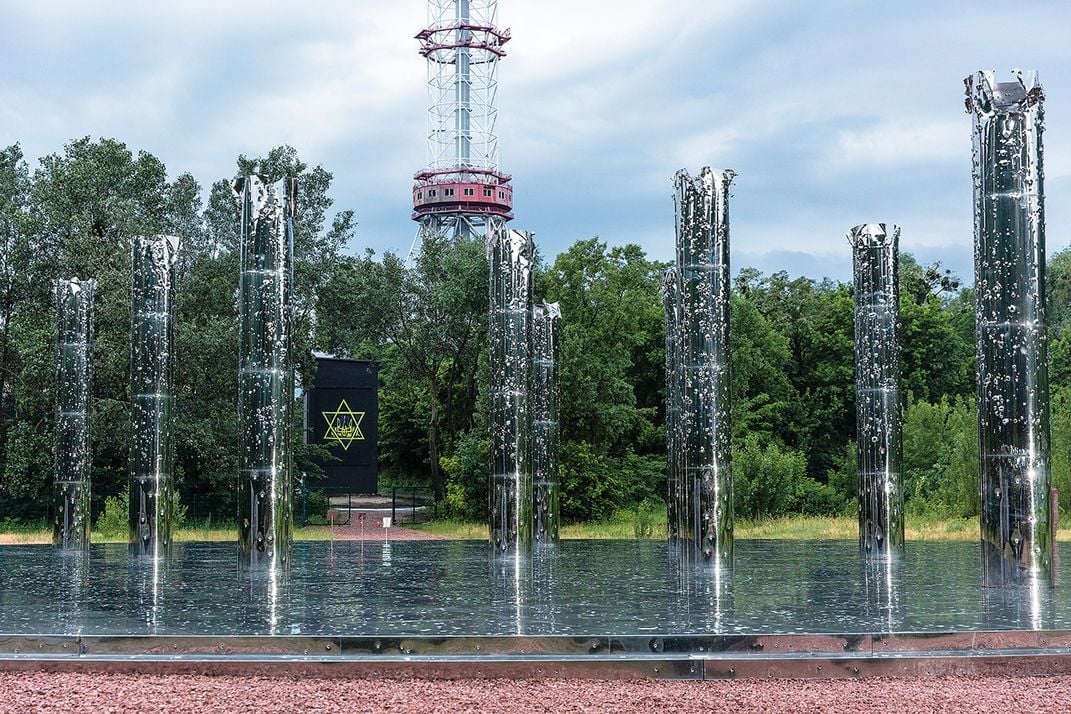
461	192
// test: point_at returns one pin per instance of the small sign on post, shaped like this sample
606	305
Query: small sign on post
386	527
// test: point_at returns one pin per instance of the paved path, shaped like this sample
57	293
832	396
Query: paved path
373	529
96	693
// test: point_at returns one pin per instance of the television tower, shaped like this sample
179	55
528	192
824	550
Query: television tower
461	192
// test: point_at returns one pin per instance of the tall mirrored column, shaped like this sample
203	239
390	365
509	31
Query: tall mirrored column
671	307
1013	385
511	258
546	324
703	261
74	380
265	376
878	410
152	360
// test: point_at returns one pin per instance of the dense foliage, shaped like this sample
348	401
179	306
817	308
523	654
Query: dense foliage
74	216
424	320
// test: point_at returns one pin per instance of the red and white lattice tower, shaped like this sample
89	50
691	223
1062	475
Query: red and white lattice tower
461	192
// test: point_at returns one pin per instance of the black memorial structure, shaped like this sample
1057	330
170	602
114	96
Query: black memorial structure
342	413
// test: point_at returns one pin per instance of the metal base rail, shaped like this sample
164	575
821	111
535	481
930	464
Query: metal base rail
687	657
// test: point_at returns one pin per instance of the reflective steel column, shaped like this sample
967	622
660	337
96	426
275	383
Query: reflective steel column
511	258
671	288
703	262
545	326
74	379
152	360
879	428
265	376
1013	385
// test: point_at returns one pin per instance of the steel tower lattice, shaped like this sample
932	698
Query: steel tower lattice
461	192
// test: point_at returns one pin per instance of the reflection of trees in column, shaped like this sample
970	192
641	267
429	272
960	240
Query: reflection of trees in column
879	424
546	464
265	378
703	262
1013	386
152	366
511	258
74	378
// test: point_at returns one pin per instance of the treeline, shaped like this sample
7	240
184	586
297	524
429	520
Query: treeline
74	215
793	380
425	320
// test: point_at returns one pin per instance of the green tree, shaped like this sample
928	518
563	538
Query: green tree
612	346
433	316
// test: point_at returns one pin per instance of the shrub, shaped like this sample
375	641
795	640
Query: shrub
940	470
178	510
643	518
771	480
595	486
317	504
113	522
466	478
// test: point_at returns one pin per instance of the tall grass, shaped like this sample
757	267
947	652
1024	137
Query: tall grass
644	522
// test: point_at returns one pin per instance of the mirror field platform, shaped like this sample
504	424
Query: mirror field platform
581	608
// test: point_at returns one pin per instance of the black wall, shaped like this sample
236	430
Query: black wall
342	412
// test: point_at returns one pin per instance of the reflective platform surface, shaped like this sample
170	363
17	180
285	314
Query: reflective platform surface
457	588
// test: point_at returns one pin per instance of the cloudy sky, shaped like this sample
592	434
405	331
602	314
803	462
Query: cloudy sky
832	112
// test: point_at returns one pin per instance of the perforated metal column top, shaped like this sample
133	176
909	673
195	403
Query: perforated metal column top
1009	268
152	360
546	324
879	429
74	379
671	289
511	258
703	262
265	375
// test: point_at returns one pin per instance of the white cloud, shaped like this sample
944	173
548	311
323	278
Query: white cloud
898	143
600	102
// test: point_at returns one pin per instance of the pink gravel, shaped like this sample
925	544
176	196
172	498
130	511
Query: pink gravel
97	693
373	529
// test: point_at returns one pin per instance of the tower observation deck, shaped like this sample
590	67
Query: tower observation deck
461	192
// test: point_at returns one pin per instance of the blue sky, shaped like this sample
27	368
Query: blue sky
832	113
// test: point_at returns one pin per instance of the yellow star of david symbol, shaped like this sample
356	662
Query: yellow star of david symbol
344	425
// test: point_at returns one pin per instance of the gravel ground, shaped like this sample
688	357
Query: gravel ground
100	693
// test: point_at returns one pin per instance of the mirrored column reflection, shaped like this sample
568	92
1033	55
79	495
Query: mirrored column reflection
72	578
268	594
510	582
148	581
1028	605
704	593
544	607
884	597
